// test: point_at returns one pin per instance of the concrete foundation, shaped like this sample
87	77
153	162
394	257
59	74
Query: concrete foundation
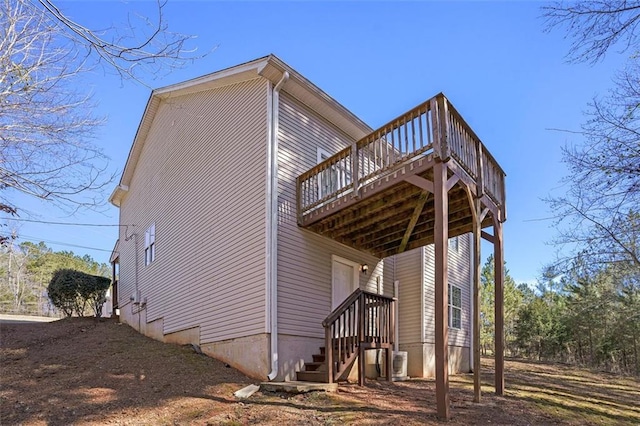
247	354
183	337
421	359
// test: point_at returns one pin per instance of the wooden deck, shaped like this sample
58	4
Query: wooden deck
420	179
377	195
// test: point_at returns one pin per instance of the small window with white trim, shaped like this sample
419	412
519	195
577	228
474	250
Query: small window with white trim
150	244
325	177
455	307
334	177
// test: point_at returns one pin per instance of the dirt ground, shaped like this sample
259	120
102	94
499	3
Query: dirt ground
86	371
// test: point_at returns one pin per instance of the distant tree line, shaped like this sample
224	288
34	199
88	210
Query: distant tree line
26	270
586	316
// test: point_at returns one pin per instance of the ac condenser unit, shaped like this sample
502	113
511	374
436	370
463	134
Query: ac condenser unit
398	366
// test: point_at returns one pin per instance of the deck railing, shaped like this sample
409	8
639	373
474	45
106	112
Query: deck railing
363	321
433	127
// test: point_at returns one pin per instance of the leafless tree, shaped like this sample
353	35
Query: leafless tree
138	50
599	216
47	119
595	26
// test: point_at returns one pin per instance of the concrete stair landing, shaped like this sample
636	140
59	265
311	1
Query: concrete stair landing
298	387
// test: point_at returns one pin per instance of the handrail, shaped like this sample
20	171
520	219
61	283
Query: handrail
341	308
363	320
432	128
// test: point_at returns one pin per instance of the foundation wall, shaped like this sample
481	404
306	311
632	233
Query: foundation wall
421	359
247	354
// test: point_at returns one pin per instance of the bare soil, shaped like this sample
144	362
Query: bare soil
87	371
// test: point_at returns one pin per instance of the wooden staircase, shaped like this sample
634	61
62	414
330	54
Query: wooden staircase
315	371
363	321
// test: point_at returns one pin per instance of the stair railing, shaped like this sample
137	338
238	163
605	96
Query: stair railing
363	321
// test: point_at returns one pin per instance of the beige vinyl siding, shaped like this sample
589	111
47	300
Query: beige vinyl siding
459	275
304	258
201	179
408	272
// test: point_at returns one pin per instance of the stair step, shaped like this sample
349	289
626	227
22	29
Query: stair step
313	366
312	376
318	357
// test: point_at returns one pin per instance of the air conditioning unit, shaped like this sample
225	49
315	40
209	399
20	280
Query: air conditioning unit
398	366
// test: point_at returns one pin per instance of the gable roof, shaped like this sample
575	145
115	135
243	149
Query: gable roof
269	67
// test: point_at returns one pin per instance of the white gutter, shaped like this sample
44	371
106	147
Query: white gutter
272	221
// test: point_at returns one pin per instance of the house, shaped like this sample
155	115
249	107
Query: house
254	207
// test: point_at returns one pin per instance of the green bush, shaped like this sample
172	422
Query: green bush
72	291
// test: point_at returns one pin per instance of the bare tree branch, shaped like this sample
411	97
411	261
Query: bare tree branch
131	53
595	26
599	216
47	119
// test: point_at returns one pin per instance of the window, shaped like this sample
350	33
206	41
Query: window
150	244
454	244
327	178
334	177
455	307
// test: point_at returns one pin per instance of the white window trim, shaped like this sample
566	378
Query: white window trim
322	154
339	173
452	307
150	245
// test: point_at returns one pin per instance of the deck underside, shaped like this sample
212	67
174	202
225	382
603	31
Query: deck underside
392	215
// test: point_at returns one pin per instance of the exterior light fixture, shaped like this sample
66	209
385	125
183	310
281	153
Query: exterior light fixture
364	268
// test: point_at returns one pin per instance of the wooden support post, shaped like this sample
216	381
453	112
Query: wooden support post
441	234
355	169
328	353
477	226
499	306
391	330
443	122
361	338
389	364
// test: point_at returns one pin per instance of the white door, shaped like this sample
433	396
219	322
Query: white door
344	280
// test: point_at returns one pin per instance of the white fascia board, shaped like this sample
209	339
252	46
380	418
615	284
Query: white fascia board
315	98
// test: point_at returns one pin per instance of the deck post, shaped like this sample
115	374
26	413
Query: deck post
441	233
443	127
355	168
499	306
477	237
390	339
328	353
361	338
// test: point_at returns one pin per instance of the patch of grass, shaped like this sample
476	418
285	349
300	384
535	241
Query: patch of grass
576	396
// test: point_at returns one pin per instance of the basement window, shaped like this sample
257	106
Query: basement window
455	307
150	244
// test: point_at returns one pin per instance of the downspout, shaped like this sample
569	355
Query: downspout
272	232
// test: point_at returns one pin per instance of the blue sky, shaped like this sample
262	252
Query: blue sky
493	60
